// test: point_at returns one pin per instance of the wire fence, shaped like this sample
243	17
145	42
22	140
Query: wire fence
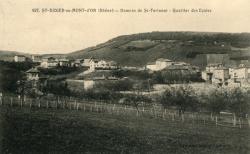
154	111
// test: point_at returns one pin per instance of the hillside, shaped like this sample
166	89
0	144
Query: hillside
139	49
8	55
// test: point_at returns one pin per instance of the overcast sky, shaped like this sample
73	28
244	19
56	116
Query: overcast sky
23	30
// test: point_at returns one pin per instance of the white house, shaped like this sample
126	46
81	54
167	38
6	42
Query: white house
63	62
160	64
20	58
49	62
240	72
102	64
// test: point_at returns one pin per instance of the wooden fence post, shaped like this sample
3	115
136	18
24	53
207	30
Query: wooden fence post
11	101
75	104
39	104
30	103
1	98
47	104
113	107
182	117
84	107
240	122
234	120
216	121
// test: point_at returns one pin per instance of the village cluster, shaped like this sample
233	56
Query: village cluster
216	72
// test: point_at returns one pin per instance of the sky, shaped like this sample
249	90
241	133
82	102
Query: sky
40	33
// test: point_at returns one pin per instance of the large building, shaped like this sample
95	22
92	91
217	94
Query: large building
20	58
160	64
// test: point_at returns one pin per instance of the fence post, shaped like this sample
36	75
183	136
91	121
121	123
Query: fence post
30	104
216	121
234	120
47	102
39	104
84	107
240	122
1	98
182	117
113	107
11	101
77	106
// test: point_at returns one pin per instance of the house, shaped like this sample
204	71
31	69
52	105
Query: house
49	62
216	74
36	80
33	77
240	72
36	58
220	75
77	63
96	64
207	74
63	62
159	64
20	58
33	74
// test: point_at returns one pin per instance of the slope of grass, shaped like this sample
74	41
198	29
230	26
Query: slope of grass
33	131
139	49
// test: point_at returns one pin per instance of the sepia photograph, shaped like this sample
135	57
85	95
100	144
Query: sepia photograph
116	76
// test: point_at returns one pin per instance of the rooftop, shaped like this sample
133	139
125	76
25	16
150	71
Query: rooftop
163	60
33	70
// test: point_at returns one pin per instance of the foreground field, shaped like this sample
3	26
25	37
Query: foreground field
60	131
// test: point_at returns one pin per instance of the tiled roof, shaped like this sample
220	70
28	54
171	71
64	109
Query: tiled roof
33	70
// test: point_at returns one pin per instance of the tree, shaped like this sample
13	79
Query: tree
217	101
238	102
182	97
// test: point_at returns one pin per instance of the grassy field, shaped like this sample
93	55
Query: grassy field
59	131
